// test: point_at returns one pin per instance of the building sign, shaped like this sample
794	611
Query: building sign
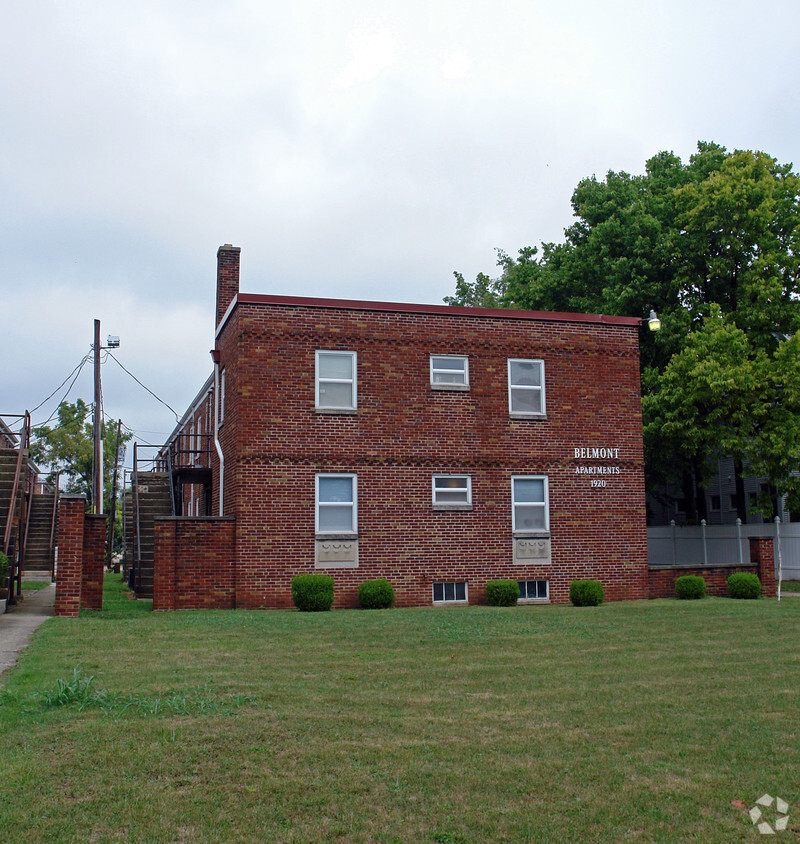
599	473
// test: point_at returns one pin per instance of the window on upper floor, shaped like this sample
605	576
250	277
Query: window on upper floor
449	372
335	380
452	492
221	396
529	503
336	503
526	387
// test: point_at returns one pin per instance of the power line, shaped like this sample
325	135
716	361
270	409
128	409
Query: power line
177	418
78	368
64	397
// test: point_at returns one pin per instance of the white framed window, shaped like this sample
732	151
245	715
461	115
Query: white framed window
335	380
336	509
529	503
450	591
526	387
534	590
449	372
451	491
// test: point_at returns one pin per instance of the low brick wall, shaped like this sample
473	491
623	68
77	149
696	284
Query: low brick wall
193	563
81	557
662	577
95	530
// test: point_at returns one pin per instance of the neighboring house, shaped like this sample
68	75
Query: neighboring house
666	504
439	447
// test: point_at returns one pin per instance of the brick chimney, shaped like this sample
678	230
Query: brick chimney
227	277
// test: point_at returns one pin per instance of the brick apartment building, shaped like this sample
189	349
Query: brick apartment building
439	447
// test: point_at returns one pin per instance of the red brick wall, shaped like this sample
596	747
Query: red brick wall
662	581
762	553
404	432
95	529
194	564
81	557
227	278
70	555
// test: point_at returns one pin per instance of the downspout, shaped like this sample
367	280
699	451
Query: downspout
217	444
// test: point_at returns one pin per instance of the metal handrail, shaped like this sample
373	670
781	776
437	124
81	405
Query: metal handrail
23	446
51	554
137	532
16	569
171	483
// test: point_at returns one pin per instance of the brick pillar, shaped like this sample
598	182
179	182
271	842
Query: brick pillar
762	554
71	510
95	530
227	277
164	564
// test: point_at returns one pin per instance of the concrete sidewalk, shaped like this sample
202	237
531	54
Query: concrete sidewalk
17	625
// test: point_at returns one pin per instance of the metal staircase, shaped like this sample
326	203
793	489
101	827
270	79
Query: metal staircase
149	497
27	510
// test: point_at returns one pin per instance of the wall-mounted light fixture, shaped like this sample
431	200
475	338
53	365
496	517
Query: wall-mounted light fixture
654	322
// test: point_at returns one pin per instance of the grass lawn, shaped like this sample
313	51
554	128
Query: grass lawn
790	586
34	585
634	721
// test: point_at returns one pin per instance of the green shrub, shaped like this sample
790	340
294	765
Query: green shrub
586	593
4	567
376	594
502	593
744	584
312	592
690	586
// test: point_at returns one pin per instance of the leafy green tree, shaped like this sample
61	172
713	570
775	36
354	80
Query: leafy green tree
67	448
714	247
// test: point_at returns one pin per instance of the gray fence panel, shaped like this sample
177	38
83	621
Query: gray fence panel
685	545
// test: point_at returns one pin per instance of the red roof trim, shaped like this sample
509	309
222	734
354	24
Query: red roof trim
394	307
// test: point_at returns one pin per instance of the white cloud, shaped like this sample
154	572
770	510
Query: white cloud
366	148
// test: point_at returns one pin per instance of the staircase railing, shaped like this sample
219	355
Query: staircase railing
137	534
155	464
17	506
171	483
52	547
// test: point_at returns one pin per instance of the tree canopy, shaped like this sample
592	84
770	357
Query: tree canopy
67	447
713	246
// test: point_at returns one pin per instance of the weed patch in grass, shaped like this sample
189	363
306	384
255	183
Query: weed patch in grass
82	691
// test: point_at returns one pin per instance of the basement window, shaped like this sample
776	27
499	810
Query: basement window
534	590
450	592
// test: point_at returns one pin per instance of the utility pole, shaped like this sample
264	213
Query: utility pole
97	480
110	540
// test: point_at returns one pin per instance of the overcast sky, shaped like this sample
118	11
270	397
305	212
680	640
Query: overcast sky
358	149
